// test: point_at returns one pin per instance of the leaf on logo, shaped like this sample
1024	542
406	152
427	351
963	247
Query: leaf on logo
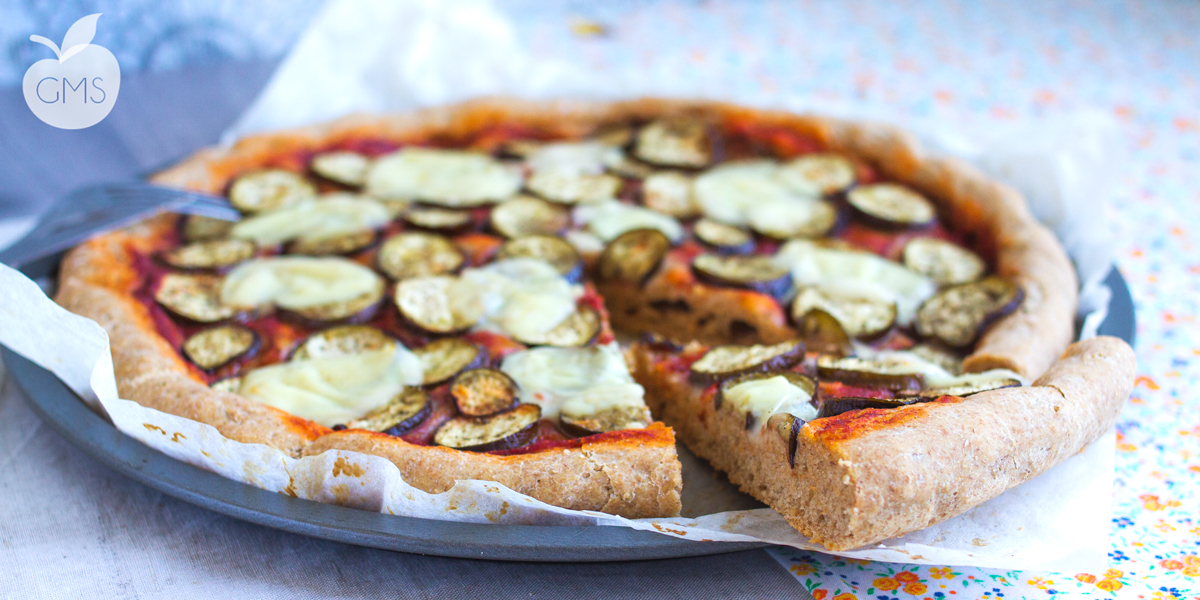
79	36
47	43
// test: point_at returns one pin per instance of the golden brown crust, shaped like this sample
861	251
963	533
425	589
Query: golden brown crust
858	481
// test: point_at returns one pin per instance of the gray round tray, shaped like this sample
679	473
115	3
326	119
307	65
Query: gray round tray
73	420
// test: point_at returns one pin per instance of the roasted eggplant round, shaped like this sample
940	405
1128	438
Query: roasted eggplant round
345	243
729	361
504	431
402	413
193	297
675	142
822	333
819	174
446	358
891	205
943	262
725	239
616	418
859	315
483	392
346	168
939	355
957	316
965	389
870	372
573	188
832	407
425	302
418	254
199	228
343	340
261	191
754	272
670	193
579	328
553	251
210	254
358	309
633	256
218	346
526	215
793	219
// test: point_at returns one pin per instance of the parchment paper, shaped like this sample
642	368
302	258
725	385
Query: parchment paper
371	55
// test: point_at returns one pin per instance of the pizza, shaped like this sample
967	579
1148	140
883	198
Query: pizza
866	338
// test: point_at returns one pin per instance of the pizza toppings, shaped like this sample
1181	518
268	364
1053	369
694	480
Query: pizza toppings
579	328
314	221
792	219
215	347
482	392
616	418
609	220
262	191
727	192
974	383
891	205
438	219
210	254
756	272
403	412
578	382
942	261
723	238
344	340
346	168
345	243
677	142
763	395
670	193
504	431
320	289
228	385
939	355
449	178
957	315
633	257
198	228
728	361
428	303
860	313
525	215
446	358
573	188
819	174
551	250
882	372
832	407
193	297
822	333
418	254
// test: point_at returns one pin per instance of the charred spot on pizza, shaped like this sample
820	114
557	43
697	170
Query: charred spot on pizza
759	273
891	205
503	431
522	216
265	190
218	346
553	251
403	412
870	372
483	392
677	305
418	254
193	297
447	357
343	340
725	239
633	256
958	315
728	361
214	254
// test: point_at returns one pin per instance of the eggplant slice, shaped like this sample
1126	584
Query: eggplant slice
939	355
579	328
418	254
346	168
218	346
755	272
616	418
199	228
193	297
891	205
860	316
820	174
957	316
229	385
525	215
402	413
822	333
574	188
261	191
725	239
504	431
797	379
343	340
793	219
446	358
424	302
633	256
210	254
729	361
832	407
870	372
675	142
483	392
443	220
346	243
963	390
944	262
553	251
357	309
670	193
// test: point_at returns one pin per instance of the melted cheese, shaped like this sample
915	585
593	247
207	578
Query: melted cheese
335	214
332	390
771	396
296	282
608	220
728	192
932	374
857	273
447	177
523	297
579	381
573	158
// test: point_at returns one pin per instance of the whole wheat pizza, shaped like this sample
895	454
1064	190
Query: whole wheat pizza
544	294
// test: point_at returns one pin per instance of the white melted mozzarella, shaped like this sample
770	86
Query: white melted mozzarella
523	297
332	390
579	381
333	215
573	158
771	396
857	273
728	192
447	177
607	220
296	282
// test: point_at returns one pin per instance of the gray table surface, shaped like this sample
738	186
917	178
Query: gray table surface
69	527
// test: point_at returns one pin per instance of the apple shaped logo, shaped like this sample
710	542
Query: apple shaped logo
79	88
